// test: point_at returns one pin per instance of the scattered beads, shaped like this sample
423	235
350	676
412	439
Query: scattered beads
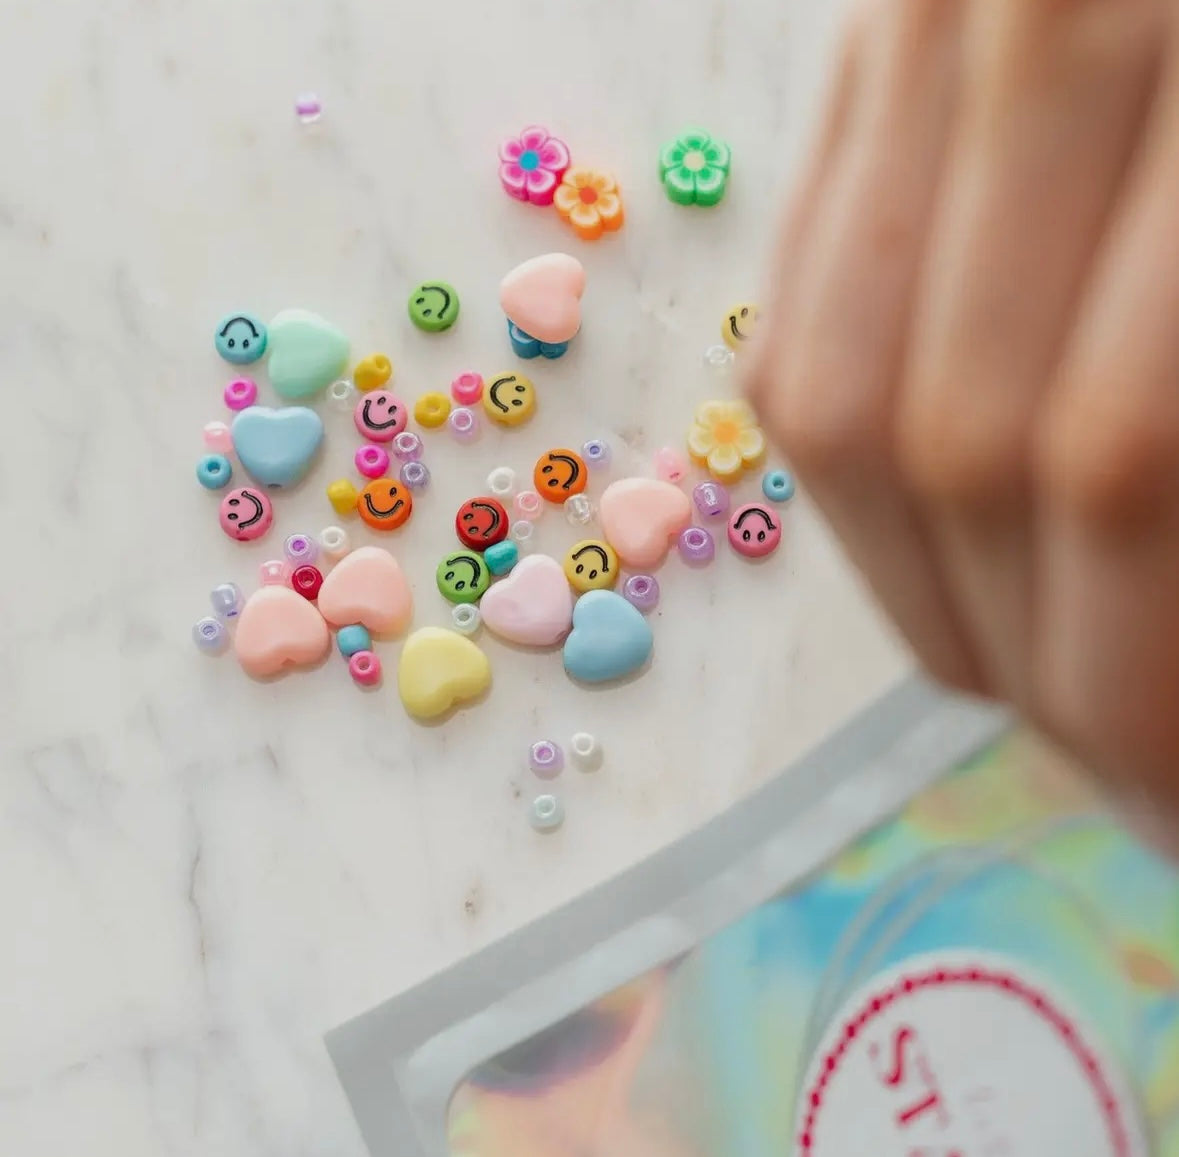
352	640
300	548
407	447
596	453
546	813
241	393
342	495
754	532
372	461
227	600
546	759
306	581
502	482
642	592
275	572
501	557
719	359
342	394
481	522
670	466
587	751
380	416
210	636
579	510
467	389
415	475
307	108
463	424
696	546
246	514
431	410
214	471
527	504
365	668
217	437
778	485
334	541
522	533
711	499
372	373
466	618
559	474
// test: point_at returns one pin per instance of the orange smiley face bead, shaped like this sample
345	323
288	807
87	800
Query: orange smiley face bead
385	504
558	475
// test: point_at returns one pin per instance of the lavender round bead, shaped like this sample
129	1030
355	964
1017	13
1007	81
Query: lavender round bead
697	546
415	475
300	549
546	759
227	600
712	499
642	592
210	635
407	447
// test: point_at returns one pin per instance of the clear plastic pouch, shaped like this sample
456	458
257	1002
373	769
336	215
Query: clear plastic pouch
924	939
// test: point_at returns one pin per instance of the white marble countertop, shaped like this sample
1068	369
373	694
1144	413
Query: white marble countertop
200	874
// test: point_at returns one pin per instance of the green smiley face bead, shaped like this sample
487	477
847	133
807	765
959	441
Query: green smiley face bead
694	169
434	306
463	577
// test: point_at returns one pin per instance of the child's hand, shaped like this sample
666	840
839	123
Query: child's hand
972	355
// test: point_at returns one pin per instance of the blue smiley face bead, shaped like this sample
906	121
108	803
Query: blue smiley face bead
240	338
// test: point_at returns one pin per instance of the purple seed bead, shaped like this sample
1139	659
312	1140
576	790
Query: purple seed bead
407	447
415	475
712	499
596	452
227	600
697	546
642	591
463	424
210	636
300	549
546	759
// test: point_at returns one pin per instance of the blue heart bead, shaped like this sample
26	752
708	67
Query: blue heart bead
276	447
610	638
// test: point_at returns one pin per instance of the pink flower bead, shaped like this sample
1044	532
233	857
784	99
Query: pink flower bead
241	393
372	461
218	438
532	165
670	466
365	668
467	389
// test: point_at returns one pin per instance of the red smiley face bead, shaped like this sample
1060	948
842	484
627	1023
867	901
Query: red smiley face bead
480	523
755	531
380	416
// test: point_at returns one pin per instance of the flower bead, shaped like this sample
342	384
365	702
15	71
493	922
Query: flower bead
590	202
695	169
532	165
726	438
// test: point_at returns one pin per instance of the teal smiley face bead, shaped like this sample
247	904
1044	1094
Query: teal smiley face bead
240	338
434	306
463	577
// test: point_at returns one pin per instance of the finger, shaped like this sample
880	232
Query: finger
1057	94
825	384
1109	585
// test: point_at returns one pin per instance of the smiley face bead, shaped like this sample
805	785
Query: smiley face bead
385	504
591	565
463	577
739	325
380	416
509	399
481	522
240	338
246	514
434	306
755	531
559	474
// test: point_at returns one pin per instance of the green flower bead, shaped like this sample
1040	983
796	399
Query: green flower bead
695	168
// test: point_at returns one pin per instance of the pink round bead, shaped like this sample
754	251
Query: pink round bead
380	416
467	389
755	531
218	438
241	393
372	461
670	466
365	668
246	513
275	572
527	504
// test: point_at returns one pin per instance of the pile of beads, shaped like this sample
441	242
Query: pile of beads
546	760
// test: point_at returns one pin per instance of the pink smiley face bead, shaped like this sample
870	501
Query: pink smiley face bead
755	531
380	416
246	513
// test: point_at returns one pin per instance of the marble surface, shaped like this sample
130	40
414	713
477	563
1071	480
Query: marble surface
199	874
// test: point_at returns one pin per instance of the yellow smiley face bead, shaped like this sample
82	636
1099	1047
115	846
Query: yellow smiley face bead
372	373
509	399
431	410
737	326
591	565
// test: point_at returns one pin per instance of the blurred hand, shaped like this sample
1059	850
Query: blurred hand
971	356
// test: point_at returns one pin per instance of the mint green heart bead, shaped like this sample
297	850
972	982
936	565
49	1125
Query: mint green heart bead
307	353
